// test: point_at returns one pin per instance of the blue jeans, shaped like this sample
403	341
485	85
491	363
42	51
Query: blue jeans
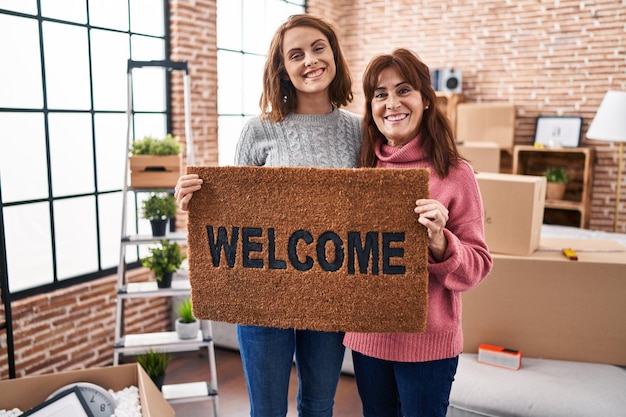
409	389
267	355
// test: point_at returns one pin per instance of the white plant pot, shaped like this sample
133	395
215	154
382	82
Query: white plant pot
187	330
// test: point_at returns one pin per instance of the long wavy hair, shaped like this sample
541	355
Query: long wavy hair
437	138
278	98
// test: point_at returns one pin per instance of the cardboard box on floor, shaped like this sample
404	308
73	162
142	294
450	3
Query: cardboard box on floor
30	391
486	122
484	156
513	207
551	307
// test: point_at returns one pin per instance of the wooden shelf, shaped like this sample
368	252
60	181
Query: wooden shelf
528	160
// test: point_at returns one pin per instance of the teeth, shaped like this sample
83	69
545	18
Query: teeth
396	117
313	74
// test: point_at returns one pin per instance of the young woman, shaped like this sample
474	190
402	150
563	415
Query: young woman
305	82
407	374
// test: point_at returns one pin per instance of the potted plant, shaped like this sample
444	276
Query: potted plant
155	163
557	183
164	260
158	209
187	325
155	364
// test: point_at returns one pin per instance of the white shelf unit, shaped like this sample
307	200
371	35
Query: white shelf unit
136	344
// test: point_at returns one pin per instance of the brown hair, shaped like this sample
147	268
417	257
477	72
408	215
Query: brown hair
279	96
437	138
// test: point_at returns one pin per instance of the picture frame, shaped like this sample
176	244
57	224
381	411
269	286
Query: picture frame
70	403
558	131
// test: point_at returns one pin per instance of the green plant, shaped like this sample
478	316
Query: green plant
152	146
159	205
164	259
557	175
185	311
154	363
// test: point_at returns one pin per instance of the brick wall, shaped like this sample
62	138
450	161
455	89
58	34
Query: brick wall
551	58
194	39
546	57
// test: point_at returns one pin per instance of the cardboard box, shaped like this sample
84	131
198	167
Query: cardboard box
514	207
486	122
484	156
153	171
553	308
30	391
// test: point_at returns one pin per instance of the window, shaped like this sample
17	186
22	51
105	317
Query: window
63	131
244	31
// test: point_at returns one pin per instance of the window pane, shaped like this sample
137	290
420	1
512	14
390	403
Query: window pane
71	153
70	10
76	238
229	128
252	83
150	125
229	25
146	16
109	58
23	165
147	49
61	146
24	6
110	153
277	12
291	9
20	83
29	252
149	89
240	62
229	85
67	66
112	14
254	27
110	206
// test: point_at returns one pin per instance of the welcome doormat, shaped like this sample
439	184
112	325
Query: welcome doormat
309	248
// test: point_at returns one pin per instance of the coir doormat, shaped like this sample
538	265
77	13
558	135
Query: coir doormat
309	248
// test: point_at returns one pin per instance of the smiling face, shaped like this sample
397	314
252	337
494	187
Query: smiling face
309	61
397	108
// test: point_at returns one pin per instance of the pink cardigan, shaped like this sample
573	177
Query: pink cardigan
466	262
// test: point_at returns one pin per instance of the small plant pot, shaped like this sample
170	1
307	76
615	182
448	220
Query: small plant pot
187	331
159	227
166	281
158	381
555	190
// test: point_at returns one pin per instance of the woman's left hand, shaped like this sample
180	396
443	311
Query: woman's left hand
433	215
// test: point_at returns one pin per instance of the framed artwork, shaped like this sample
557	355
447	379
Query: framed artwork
558	131
70	403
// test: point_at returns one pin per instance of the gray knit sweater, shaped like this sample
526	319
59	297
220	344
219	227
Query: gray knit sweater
327	141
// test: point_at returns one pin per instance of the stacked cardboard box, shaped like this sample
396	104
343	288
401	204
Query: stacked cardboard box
514	207
551	307
486	122
484	156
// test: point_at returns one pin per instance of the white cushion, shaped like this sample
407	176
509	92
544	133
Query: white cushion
541	388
